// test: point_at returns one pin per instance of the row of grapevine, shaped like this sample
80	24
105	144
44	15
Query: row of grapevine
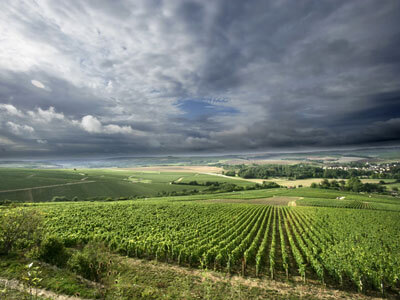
306	246
264	245
295	251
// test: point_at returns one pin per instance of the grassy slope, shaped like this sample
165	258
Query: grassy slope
108	183
24	178
143	279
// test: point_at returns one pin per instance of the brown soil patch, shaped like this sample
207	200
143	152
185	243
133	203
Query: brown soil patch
278	200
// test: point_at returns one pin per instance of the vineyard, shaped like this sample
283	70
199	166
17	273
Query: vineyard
356	247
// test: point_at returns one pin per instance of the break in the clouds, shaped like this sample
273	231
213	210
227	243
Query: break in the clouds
154	77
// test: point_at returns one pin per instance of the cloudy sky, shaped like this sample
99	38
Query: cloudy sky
167	77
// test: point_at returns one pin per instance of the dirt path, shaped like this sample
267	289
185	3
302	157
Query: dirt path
276	200
46	186
312	289
190	169
293	203
179	180
17	285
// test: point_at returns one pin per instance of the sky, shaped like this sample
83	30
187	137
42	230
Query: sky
97	77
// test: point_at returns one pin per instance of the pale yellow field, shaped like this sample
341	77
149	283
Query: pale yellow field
189	169
304	182
263	162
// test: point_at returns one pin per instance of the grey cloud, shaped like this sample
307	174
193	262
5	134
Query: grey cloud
297	74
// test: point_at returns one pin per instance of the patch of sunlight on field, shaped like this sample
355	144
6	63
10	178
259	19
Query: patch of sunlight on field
139	180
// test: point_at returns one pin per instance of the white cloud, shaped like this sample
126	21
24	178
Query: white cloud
20	129
92	125
11	110
41	141
46	116
38	84
117	129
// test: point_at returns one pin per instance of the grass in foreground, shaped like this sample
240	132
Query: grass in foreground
143	279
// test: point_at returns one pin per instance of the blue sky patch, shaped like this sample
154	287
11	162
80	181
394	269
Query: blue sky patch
197	108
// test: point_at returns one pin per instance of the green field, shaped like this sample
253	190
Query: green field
92	183
393	185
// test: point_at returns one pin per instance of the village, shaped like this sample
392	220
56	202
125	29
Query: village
377	168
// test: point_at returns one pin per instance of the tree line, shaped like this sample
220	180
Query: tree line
354	184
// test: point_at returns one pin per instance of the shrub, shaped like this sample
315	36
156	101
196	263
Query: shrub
93	262
20	229
53	251
230	173
5	202
59	199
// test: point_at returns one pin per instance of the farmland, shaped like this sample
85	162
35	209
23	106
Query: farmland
313	237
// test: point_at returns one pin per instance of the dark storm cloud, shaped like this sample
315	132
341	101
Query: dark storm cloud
121	77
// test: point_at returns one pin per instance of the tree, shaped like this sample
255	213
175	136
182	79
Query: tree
230	173
325	184
354	184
